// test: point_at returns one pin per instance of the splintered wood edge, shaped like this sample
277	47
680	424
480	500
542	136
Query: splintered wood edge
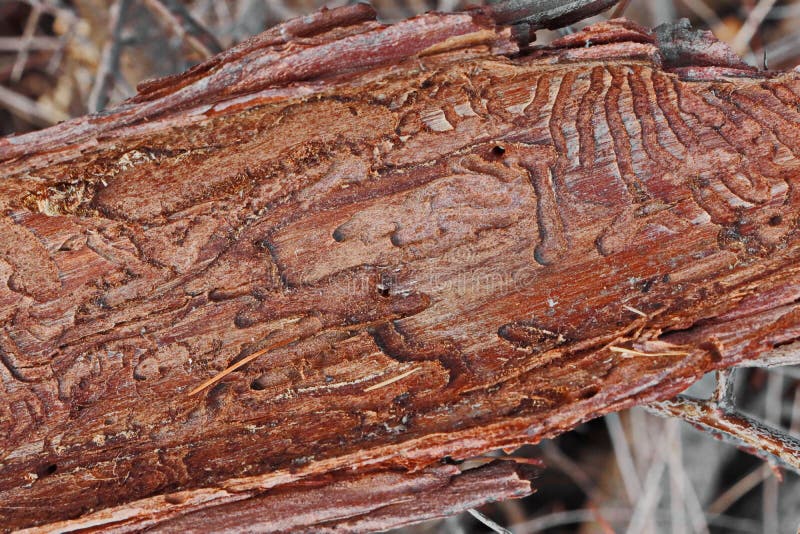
353	501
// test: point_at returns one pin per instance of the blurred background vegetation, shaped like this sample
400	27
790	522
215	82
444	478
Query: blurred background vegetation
629	472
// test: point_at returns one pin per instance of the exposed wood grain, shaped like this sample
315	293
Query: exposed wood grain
447	247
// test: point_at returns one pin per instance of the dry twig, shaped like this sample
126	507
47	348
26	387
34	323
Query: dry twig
27	39
742	430
109	61
205	47
28	109
754	20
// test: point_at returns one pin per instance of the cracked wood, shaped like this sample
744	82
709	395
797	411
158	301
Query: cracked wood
441	246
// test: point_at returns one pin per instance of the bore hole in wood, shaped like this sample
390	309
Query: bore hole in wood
589	392
46	470
498	151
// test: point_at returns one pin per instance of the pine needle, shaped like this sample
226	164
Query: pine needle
632	353
240	363
634	310
391	380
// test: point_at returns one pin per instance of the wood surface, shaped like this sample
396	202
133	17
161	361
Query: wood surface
434	244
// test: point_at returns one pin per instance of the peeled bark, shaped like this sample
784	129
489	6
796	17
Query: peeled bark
437	245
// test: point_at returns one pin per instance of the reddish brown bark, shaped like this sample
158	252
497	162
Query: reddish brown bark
441	246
